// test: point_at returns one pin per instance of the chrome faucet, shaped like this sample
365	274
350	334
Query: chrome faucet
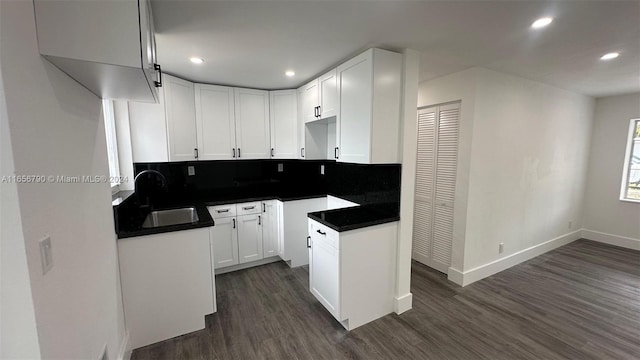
163	183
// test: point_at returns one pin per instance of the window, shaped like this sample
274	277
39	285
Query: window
112	144
631	174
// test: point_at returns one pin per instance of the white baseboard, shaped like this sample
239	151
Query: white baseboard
124	353
472	275
403	303
622	241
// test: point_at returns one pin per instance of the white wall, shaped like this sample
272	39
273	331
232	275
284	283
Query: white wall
606	217
57	129
522	165
18	335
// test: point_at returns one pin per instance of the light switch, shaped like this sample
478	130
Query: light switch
191	170
46	254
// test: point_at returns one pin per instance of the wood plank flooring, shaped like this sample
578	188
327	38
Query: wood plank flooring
581	301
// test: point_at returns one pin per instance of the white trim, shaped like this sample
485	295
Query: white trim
123	353
403	303
622	241
231	268
480	272
632	141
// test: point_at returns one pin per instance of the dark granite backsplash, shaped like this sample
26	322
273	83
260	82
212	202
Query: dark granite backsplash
222	180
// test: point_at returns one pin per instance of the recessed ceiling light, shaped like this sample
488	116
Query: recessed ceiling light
196	60
290	73
542	22
609	56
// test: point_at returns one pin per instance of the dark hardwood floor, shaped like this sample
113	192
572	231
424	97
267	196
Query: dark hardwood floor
581	301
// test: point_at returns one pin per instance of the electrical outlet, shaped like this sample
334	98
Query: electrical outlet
501	248
321	169
191	170
280	167
46	254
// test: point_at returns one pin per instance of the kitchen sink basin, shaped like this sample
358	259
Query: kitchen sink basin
158	218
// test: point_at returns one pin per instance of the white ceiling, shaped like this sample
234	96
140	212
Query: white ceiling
252	43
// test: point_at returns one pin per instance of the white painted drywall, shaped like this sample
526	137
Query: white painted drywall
57	129
407	149
123	136
528	165
522	162
604	212
18	334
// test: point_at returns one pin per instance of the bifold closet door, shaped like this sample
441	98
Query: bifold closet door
436	172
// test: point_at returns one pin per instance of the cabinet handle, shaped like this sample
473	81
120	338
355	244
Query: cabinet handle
335	152
308	241
302	152
158	83
259	220
264	208
234	152
321	233
234	222
248	207
238	153
315	111
196	152
271	152
222	211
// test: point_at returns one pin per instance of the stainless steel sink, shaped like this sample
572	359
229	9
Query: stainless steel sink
171	217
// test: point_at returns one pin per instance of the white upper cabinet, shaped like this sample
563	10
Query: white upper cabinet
252	124
107	46
310	94
328	100
284	124
215	119
148	129
181	119
369	87
320	97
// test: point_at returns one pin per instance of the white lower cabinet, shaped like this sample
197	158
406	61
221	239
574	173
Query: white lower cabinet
270	237
167	284
352	273
224	242
249	238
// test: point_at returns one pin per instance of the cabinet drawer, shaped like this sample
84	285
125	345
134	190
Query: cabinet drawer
222	211
326	235
249	208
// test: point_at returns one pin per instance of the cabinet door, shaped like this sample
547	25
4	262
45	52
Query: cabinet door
215	121
181	119
311	95
283	106
280	224
148	128
301	125
252	124
250	238
224	242
354	120
323	272
328	95
270	239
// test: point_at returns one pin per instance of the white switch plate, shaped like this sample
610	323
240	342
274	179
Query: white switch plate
191	170
280	167
321	169
501	248
46	254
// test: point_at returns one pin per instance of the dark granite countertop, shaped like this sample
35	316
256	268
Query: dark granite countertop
204	220
352	218
119	197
